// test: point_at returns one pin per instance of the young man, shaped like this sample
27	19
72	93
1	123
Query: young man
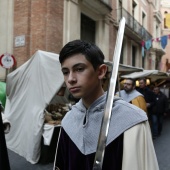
131	95
129	143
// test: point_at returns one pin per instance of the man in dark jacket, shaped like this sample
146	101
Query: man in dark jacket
149	98
158	111
148	95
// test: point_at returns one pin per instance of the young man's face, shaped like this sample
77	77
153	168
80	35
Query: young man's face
80	77
128	87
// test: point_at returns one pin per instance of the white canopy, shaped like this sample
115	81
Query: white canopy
152	74
30	88
124	69
127	69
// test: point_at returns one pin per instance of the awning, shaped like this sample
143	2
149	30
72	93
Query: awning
153	75
124	69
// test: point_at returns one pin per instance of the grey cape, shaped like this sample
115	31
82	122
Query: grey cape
85	135
128	96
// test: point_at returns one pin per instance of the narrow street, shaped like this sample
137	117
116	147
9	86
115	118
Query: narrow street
19	163
161	147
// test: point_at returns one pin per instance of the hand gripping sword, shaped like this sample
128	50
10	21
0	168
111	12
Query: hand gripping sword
98	161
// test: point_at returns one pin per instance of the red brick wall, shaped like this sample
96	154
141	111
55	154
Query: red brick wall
21	27
55	25
41	21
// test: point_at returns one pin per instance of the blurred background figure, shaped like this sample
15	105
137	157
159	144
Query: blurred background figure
5	121
149	97
159	110
131	95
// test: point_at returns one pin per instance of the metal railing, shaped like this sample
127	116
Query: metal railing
106	1
133	24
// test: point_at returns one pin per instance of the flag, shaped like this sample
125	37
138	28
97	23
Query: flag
164	40
148	44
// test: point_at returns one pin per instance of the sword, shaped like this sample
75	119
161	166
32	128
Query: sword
98	161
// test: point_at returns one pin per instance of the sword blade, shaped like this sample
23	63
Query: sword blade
98	162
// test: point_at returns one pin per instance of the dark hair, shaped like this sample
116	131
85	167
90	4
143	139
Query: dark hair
92	53
143	80
132	80
156	87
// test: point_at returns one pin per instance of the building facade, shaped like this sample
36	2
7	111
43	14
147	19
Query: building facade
165	10
49	24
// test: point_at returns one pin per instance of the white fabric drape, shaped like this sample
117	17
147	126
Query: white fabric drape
138	151
30	88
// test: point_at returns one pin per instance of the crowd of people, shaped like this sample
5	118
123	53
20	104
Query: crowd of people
157	106
152	101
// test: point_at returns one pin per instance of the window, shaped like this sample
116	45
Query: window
143	61
165	19
120	9
88	27
133	13
133	8
157	31
121	55
143	19
133	55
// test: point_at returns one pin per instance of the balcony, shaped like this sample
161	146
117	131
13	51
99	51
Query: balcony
134	27
101	6
156	47
158	16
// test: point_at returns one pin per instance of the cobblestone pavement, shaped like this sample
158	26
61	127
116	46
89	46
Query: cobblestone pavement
162	146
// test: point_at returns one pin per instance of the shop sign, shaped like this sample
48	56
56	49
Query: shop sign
20	41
